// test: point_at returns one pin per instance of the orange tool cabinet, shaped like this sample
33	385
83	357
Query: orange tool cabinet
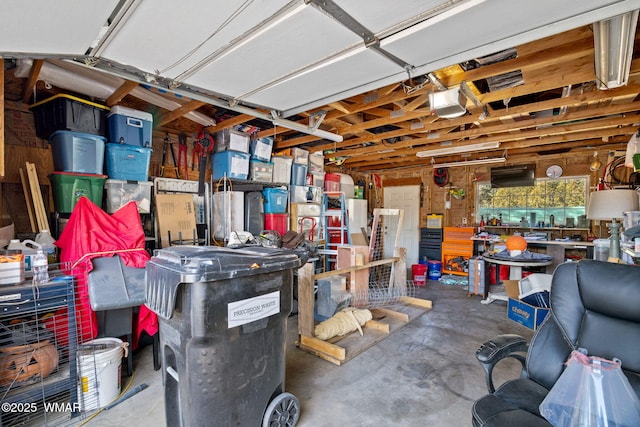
457	249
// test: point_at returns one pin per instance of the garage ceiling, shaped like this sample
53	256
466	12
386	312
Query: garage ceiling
352	68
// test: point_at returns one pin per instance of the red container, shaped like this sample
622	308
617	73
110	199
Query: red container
504	274
331	182
419	272
334	220
276	221
334	237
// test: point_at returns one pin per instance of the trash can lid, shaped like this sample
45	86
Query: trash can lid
170	267
209	263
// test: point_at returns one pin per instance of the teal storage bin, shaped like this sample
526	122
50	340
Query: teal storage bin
127	162
275	200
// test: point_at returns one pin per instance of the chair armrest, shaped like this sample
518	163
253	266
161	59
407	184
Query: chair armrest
498	348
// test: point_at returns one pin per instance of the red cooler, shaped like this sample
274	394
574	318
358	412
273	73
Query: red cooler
276	221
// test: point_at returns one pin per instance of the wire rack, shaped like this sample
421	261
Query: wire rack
380	294
48	375
38	375
385	284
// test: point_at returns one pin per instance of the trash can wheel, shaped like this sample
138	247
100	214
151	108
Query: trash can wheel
284	410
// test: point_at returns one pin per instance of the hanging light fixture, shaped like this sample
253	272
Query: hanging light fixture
613	40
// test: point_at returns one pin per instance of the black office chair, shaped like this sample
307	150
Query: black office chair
594	305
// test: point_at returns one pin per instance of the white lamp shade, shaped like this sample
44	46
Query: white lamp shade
609	204
633	147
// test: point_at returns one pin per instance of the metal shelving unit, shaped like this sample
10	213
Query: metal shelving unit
38	342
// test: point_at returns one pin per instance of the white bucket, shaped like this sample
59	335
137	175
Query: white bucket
99	364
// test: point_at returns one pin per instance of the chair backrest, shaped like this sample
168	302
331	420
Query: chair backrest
595	305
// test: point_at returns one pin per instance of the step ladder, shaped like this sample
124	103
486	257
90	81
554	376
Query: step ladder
334	228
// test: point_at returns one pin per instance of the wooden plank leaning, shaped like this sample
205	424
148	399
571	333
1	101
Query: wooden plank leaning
36	195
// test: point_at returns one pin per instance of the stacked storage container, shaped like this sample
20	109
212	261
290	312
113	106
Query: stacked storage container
129	147
261	168
332	182
75	128
282	169
231	155
307	188
128	156
275	209
305	200
300	166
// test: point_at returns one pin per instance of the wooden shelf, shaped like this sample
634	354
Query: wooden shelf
386	320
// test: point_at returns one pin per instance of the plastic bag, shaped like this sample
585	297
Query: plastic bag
591	391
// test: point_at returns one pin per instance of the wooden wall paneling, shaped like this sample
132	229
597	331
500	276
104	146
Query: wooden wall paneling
28	200
12	184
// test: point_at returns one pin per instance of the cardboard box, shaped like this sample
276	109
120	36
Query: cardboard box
526	314
175	213
513	288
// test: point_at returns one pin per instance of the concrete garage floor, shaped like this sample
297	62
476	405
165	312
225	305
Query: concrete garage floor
423	374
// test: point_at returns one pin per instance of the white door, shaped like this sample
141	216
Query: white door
406	197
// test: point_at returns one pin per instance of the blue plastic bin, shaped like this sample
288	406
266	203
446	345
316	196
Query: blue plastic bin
233	164
128	162
261	148
275	200
77	152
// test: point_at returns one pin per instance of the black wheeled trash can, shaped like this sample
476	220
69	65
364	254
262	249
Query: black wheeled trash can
223	316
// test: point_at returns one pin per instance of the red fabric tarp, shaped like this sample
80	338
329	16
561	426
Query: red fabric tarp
91	233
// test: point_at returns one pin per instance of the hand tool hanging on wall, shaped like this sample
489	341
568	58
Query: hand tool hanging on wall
167	145
183	167
196	152
205	140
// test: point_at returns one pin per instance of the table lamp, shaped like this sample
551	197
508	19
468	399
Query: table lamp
612	204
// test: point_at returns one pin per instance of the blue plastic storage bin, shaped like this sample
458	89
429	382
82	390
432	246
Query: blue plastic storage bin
128	162
261	148
129	126
233	164
275	200
77	152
